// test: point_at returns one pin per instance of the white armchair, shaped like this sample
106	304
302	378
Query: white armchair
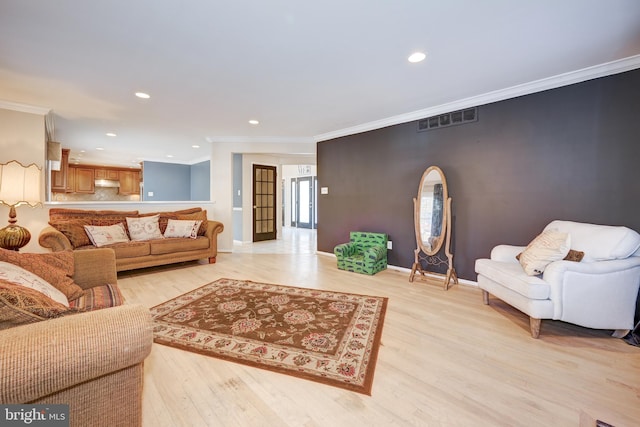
598	292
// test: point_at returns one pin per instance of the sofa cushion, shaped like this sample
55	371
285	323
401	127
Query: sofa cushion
56	268
549	246
103	235
599	242
164	217
98	297
167	246
182	228
19	305
511	275
144	228
198	216
131	249
99	218
74	230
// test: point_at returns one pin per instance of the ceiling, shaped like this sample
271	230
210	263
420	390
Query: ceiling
306	70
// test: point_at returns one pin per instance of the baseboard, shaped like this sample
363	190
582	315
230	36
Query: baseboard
408	271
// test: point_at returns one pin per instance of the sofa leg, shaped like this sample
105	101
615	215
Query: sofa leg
485	297
535	326
212	260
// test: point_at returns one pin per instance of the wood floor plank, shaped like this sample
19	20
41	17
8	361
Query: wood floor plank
446	359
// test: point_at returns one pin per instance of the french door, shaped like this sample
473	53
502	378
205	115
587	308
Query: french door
264	203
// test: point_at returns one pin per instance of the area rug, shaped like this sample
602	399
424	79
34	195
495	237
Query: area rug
319	335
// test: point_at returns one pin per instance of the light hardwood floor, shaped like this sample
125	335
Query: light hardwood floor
445	359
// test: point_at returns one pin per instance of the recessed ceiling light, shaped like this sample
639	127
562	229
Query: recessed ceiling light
195	146
169	155
111	134
254	122
417	57
143	95
99	148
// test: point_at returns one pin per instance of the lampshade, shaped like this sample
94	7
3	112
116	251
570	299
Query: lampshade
19	185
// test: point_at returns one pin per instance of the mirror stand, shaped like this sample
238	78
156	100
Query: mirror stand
434	259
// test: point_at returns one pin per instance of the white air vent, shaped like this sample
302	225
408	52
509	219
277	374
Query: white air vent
449	119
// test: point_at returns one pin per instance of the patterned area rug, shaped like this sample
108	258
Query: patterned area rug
328	337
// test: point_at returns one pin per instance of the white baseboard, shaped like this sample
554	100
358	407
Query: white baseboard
408	271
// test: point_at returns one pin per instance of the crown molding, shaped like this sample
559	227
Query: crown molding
24	108
261	139
565	79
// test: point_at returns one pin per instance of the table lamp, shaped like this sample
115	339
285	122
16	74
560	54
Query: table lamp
19	185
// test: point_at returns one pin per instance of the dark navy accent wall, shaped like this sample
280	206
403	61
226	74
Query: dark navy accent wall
569	153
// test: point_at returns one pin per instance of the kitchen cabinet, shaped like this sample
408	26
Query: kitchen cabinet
129	182
59	178
107	173
84	180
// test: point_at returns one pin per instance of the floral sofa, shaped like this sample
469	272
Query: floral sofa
138	239
66	337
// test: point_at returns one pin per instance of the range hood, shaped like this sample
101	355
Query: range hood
107	183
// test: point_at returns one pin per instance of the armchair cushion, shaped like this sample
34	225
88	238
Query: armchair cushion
599	242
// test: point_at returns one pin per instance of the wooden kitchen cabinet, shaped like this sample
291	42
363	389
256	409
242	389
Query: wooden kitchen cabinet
106	173
129	182
59	178
84	180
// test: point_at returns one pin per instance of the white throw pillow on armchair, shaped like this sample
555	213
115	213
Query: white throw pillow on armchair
547	247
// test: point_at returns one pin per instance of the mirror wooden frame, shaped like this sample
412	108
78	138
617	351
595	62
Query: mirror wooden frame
427	254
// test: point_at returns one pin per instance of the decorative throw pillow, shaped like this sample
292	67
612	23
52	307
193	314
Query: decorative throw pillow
547	247
74	231
102	235
56	268
182	228
198	216
19	276
20	304
575	256
144	228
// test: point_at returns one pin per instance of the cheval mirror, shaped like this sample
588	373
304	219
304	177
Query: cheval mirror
432	218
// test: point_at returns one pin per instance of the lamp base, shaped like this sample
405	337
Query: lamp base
13	237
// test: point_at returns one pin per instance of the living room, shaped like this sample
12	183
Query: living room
563	146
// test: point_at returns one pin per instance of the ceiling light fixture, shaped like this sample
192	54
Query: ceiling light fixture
99	148
254	122
195	146
143	95
417	57
169	155
111	134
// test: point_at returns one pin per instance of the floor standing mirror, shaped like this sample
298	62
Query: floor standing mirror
432	218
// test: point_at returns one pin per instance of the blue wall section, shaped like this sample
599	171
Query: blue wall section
167	181
201	181
176	182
